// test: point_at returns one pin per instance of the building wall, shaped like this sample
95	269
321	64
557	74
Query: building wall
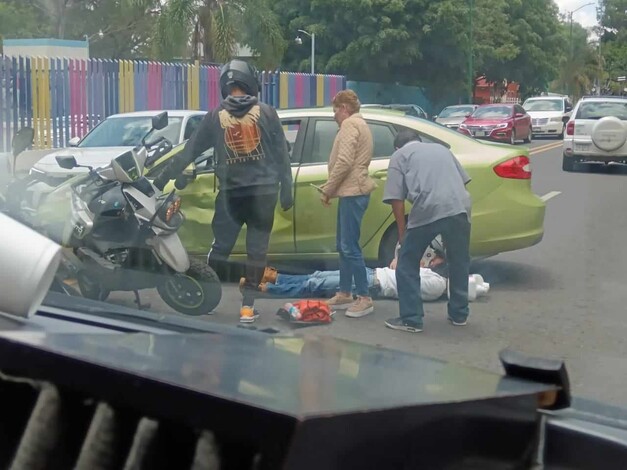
46	48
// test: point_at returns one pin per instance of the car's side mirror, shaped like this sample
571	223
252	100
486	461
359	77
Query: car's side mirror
519	115
435	117
73	142
160	121
22	140
569	109
67	162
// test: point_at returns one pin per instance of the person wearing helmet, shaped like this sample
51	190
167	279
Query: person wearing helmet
430	177
253	170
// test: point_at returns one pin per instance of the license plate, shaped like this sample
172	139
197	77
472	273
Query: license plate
480	134
582	147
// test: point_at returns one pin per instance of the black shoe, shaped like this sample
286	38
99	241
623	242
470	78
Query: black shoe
403	325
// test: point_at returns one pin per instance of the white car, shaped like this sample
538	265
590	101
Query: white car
596	132
549	114
113	136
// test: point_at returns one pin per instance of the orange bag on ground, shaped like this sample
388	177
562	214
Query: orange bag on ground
307	311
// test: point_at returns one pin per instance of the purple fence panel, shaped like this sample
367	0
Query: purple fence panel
16	84
203	101
215	94
5	79
54	111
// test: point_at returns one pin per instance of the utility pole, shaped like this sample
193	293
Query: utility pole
572	48
471	85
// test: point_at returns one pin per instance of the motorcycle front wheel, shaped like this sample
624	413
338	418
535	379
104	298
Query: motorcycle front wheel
195	292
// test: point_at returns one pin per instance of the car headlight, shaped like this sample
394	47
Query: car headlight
35	172
556	119
503	125
463	126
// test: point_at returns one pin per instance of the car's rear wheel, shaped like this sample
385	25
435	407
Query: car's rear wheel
568	164
388	245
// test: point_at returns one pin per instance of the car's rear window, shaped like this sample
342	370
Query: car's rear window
601	109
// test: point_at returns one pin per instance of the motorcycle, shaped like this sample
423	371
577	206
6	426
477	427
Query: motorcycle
122	232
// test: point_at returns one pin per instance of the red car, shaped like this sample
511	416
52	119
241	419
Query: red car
502	122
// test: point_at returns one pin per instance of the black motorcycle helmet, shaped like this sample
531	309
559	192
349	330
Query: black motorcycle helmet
240	73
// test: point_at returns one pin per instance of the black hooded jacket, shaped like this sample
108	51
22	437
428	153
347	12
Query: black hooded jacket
250	149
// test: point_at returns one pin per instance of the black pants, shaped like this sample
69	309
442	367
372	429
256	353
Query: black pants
455	232
232	212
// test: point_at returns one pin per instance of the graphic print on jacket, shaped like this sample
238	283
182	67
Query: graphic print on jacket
242	136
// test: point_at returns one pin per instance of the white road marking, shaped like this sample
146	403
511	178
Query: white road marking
550	195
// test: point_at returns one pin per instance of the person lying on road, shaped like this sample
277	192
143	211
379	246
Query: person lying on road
381	282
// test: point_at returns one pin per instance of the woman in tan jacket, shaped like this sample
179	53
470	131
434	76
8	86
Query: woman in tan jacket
350	182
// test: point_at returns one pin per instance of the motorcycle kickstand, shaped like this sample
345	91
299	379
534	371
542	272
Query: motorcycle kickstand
140	306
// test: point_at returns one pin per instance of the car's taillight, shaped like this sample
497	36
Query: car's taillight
570	128
516	168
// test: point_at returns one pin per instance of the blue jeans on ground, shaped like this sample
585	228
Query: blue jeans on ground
455	232
350	213
318	284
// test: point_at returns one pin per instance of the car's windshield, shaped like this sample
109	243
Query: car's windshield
129	131
601	109
494	220
456	111
492	112
544	105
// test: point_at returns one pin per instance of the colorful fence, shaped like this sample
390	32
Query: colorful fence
64	98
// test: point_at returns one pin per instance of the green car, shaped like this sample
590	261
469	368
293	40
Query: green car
506	214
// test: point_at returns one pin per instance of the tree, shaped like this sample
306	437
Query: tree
115	28
19	20
613	44
421	42
580	66
212	29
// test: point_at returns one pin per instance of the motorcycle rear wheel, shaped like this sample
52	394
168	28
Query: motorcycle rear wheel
195	292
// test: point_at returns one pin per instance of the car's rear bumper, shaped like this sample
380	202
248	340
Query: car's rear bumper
584	150
508	219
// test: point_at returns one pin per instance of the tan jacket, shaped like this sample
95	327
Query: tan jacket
350	159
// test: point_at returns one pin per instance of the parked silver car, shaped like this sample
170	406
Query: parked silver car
453	116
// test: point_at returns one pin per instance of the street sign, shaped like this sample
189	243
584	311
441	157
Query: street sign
621	79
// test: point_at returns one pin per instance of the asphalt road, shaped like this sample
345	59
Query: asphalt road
565	297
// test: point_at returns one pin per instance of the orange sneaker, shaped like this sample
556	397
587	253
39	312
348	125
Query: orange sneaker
248	314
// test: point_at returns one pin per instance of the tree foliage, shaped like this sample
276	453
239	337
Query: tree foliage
613	36
428	42
212	29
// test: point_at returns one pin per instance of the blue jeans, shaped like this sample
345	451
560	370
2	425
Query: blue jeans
455	232
318	284
350	213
